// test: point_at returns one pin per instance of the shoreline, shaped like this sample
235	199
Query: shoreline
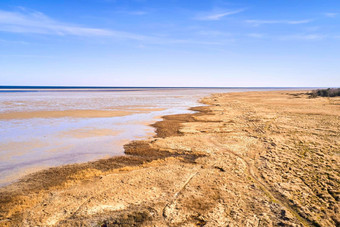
134	157
189	148
162	130
49	149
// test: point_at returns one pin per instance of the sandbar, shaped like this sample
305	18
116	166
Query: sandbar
73	113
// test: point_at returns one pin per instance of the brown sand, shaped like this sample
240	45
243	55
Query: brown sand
62	113
74	113
247	159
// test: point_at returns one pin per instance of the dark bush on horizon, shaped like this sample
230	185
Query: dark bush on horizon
329	92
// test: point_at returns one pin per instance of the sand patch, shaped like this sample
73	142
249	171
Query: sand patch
10	149
63	113
75	113
89	132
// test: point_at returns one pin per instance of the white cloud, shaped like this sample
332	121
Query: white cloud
218	16
298	22
331	15
33	22
37	22
261	22
3	41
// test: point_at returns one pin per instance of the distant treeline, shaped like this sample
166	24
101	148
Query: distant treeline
329	92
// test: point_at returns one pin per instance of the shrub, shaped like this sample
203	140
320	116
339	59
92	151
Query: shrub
329	92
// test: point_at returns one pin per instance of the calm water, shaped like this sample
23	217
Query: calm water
31	144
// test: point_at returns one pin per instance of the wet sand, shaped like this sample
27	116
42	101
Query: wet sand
88	132
20	157
246	159
73	113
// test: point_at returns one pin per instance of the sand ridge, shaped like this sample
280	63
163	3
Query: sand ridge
246	159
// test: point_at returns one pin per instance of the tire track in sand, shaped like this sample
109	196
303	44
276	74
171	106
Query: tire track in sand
273	196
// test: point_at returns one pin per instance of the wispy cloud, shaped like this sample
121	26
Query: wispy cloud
213	33
217	16
291	37
33	22
189	41
303	37
331	15
256	35
26	21
261	22
138	13
3	41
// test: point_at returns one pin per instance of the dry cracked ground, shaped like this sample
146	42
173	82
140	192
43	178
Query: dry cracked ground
245	159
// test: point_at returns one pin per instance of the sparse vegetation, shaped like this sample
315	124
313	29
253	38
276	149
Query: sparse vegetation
329	92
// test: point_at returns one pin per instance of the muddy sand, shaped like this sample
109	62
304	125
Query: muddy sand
245	159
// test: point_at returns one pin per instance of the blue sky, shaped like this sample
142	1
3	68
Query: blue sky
170	43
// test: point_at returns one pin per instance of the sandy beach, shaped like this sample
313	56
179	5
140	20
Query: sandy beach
245	159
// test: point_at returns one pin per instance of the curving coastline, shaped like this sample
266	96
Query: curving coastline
255	158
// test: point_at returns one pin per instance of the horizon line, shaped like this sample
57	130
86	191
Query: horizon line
106	87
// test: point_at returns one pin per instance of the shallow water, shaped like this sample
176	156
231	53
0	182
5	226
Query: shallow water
31	144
